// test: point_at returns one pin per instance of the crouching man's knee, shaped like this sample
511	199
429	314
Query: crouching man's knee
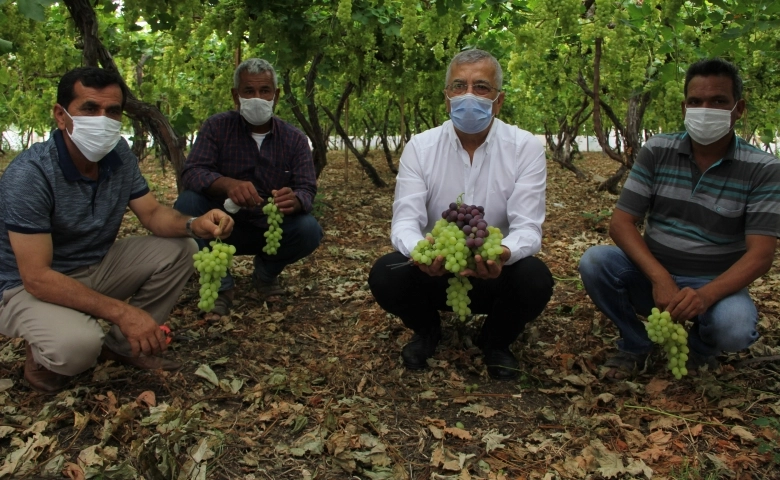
731	324
71	354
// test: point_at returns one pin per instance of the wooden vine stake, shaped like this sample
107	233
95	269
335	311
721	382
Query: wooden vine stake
346	150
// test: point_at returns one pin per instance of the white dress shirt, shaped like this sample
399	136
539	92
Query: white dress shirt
508	177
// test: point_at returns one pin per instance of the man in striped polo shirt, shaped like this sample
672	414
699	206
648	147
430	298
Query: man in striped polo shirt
711	205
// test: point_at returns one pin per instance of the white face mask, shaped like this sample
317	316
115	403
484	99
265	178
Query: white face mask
256	111
94	136
707	125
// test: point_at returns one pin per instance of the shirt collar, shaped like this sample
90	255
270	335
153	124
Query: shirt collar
731	152
248	127
450	128
686	148
106	165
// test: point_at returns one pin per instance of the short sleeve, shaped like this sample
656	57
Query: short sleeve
638	189
27	198
763	205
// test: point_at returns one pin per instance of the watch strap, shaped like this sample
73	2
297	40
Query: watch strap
188	227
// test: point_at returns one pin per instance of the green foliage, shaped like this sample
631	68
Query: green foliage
689	472
180	56
597	217
770	446
318	206
34	9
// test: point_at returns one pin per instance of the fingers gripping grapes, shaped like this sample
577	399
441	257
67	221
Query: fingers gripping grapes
463	242
286	201
244	194
212	264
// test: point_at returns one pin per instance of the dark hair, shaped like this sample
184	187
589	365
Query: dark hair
92	77
715	66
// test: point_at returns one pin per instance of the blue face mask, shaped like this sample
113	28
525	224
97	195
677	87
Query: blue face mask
470	113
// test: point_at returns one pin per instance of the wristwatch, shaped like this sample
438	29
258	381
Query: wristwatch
188	227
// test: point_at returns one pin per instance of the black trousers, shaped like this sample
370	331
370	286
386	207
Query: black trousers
510	301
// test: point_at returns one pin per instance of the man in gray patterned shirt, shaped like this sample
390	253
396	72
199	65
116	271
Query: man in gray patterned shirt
61	205
711	203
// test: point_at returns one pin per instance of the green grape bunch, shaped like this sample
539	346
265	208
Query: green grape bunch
458	296
212	265
460	235
273	236
663	330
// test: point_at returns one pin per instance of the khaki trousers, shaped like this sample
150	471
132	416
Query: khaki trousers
149	271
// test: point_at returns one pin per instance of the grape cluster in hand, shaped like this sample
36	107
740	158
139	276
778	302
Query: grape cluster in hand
274	233
460	235
664	331
212	265
470	220
491	249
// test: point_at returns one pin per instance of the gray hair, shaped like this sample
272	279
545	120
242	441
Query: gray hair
475	55
254	65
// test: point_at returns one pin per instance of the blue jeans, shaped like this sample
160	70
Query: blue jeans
301	235
621	291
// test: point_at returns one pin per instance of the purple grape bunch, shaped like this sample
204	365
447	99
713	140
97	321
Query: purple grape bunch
470	219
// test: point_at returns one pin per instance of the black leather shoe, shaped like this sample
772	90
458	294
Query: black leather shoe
41	379
419	349
501	364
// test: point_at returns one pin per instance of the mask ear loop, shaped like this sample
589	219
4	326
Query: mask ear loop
71	119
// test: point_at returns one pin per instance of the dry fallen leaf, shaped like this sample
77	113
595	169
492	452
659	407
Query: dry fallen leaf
659	437
437	457
458	432
480	410
732	413
656	386
428	395
146	399
696	430
652	454
73	471
493	440
80	420
436	421
742	433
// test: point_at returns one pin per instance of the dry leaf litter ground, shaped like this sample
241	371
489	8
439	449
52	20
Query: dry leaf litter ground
312	386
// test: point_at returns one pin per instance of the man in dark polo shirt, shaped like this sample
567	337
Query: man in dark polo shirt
711	203
61	268
248	155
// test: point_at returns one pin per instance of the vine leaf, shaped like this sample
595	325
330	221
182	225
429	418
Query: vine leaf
5	47
33	9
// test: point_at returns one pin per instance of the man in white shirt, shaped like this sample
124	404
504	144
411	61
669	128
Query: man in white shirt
494	165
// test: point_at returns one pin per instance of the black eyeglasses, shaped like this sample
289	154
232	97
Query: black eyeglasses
479	89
